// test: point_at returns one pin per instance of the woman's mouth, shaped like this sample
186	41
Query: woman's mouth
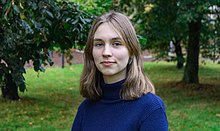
107	63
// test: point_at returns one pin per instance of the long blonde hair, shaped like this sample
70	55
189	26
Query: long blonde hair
136	83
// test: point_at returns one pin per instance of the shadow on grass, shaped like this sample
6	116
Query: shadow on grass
205	89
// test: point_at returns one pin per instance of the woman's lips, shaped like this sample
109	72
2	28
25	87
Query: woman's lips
107	63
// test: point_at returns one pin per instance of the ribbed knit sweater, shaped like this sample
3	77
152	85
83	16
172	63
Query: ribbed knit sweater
114	114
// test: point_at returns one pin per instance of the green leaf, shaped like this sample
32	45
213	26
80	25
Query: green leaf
48	22
80	17
88	20
75	21
5	17
16	9
142	41
49	14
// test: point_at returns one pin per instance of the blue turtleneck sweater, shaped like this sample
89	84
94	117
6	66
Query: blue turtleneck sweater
114	114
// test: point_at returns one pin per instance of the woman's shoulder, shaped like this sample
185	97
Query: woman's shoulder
152	101
84	103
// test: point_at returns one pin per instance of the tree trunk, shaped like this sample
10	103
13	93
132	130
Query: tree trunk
10	90
179	54
192	61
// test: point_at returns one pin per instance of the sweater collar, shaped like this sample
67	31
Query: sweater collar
112	91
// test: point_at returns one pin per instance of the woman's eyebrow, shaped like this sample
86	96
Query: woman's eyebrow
114	38
97	39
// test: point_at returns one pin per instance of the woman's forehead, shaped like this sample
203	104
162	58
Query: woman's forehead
107	31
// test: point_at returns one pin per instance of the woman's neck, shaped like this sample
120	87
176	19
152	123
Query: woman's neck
112	91
109	79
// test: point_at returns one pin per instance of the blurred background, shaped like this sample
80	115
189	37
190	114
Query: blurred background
180	41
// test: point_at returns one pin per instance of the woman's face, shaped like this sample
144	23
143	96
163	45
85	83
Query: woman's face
110	53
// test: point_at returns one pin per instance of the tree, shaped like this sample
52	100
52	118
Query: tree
151	20
195	12
29	30
164	20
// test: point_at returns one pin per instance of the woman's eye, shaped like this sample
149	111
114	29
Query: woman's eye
98	44
116	44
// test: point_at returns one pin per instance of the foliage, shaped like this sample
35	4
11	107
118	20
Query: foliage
185	21
95	7
164	20
31	28
51	102
210	41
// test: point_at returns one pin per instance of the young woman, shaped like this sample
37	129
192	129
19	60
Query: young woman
119	97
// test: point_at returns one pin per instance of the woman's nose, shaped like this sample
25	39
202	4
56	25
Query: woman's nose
107	51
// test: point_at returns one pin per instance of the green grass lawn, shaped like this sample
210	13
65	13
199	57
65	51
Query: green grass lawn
53	97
